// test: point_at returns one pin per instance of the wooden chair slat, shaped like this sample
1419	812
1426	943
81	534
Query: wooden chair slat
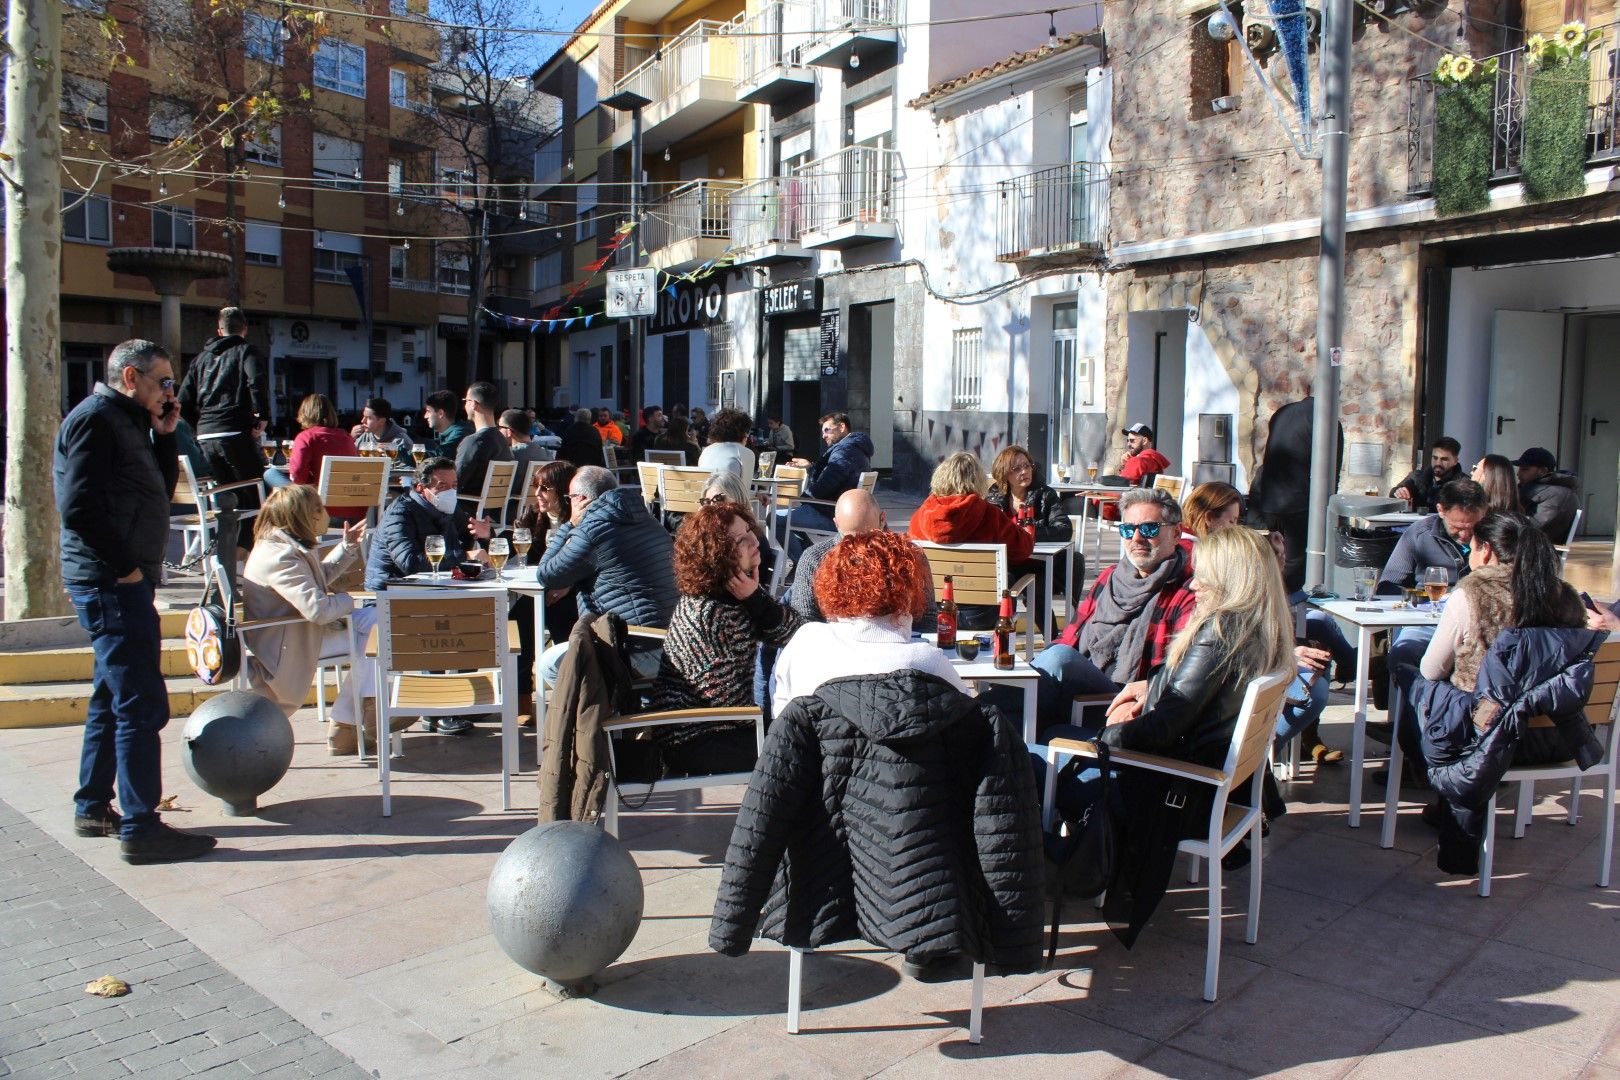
444	605
444	691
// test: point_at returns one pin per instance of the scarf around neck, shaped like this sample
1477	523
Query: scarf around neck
1115	635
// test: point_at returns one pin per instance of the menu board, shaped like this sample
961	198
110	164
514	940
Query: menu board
799	357
829	343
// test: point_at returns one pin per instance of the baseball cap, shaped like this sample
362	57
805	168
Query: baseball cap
1140	429
1537	456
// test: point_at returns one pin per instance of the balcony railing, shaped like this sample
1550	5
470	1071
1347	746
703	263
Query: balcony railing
853	186
699	210
769	212
1507	130
772	38
858	15
1052	212
701	51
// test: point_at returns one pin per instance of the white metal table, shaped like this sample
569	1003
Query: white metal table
1368	617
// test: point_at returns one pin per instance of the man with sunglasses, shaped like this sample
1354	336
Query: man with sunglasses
1121	630
115	468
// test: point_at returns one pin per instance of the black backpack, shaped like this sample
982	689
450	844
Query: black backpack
1081	850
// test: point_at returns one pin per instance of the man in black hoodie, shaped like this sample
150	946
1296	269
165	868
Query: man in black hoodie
225	397
1549	496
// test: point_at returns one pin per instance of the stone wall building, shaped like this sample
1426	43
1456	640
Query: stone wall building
1494	327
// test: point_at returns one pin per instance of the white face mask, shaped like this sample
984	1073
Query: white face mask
445	501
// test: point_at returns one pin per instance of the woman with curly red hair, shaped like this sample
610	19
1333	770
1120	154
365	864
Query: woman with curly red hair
870	587
720	620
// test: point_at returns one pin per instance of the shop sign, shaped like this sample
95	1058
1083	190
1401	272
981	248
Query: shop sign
690	306
791	297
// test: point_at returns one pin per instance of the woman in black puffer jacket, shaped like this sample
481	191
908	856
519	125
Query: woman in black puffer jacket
1015	485
894	809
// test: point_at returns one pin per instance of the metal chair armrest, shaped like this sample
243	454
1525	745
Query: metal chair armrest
1153	762
667	717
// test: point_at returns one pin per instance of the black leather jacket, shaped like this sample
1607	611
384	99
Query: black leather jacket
1051	523
1190	710
226	389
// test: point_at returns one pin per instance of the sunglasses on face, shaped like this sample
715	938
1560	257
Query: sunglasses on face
1148	529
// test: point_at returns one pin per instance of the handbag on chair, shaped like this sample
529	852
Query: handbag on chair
1080	851
213	649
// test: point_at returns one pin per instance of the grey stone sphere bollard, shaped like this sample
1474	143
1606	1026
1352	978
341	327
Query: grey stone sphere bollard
236	747
565	900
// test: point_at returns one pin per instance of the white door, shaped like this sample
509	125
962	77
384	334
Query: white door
1527	364
1600	427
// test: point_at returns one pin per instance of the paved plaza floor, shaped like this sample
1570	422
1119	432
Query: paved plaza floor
320	932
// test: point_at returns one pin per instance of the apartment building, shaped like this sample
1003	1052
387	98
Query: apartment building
855	207
354	266
1497	327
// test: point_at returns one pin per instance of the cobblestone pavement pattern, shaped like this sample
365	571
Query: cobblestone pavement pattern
63	925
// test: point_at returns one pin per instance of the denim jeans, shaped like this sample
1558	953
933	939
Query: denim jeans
129	703
1307	697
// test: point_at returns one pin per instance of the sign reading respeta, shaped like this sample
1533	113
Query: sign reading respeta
690	306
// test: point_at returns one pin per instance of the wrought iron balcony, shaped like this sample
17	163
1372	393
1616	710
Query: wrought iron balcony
1054	215
691	226
767	220
770	51
1507	129
691	83
850	197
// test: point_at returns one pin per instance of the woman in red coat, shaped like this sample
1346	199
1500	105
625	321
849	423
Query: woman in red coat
957	512
321	438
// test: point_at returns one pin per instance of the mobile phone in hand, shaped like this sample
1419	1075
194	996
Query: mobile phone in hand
1587	600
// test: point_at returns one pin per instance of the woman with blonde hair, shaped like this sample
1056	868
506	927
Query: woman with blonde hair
285	577
956	512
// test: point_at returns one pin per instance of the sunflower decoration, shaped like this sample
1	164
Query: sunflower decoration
1454	69
1444	70
1462	67
1572	41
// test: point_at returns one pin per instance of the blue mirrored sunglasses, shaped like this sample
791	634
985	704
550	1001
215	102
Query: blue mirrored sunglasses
1149	530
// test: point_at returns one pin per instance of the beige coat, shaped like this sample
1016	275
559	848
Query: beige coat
282	579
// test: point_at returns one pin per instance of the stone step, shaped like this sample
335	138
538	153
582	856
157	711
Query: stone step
64	704
27	666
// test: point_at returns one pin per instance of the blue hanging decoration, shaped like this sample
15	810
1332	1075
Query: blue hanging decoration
534	327
588	319
1293	39
551	326
670	289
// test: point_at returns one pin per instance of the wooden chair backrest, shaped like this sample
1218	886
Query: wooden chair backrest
1256	724
647	473
868	481
664	457
497	486
531	476
978	572
610	456
1605	683
443	632
679	489
1172	484
788	494
354	481
185	486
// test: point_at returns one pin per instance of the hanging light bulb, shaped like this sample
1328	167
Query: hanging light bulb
399	208
666	153
163	188
854	60
407	244
320	240
358	173
1051	30
281	199
283	30
523	211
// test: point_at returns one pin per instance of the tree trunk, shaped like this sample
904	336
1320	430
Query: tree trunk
33	149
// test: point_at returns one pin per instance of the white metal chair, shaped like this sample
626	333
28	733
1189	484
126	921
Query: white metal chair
1245	756
197	528
979	575
1600	710
497	489
444	654
1569	541
611	458
668	718
796	983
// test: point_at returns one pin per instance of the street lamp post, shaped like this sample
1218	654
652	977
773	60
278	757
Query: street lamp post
631	102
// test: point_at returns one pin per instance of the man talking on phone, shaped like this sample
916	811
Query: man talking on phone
115	469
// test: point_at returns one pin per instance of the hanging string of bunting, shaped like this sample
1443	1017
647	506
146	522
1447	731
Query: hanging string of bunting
554	321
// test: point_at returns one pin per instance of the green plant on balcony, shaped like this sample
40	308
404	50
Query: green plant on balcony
1553	165
1463	107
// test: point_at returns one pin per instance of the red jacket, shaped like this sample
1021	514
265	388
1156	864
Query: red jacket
1171	610
309	449
968	519
1135	469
